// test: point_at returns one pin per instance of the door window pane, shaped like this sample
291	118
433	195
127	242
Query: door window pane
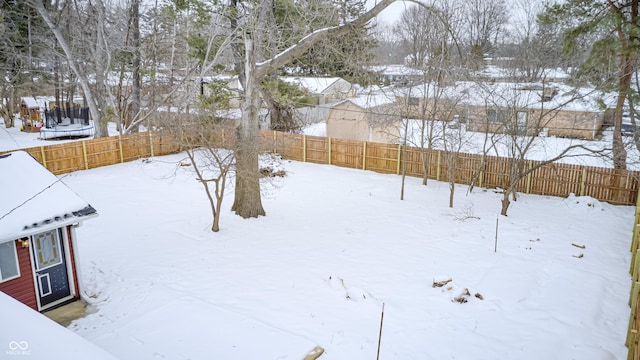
47	249
8	261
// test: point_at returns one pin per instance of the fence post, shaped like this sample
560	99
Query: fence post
633	300
329	151
44	158
528	186
304	148
120	147
483	164
634	266
275	141
583	182
634	239
364	155
438	166
151	142
399	156
84	155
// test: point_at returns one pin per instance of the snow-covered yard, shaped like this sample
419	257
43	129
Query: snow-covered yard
335	245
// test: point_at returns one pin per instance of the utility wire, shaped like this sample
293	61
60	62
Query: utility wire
34	196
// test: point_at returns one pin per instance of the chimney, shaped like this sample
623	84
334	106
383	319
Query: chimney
548	93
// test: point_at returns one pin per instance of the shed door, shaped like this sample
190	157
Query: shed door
52	277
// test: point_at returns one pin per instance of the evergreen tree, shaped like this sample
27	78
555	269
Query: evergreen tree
609	28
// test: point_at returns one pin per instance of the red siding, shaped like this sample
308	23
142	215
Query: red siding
22	288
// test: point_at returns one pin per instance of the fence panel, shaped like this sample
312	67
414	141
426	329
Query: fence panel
135	146
64	158
494	172
346	153
165	143
289	145
556	179
317	149
413	161
383	158
102	152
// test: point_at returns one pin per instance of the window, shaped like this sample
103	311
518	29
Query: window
496	116
8	261
521	119
414	101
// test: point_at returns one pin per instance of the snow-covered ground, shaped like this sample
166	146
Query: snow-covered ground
335	246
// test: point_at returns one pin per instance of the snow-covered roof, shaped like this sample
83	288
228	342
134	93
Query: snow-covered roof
514	94
498	72
396	70
315	85
27	334
30	102
34	200
369	101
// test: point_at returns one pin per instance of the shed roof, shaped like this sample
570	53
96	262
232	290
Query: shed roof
315	85
34	200
369	101
30	102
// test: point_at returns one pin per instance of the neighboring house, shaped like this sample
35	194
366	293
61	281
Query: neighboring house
515	108
323	89
38	251
30	114
365	118
398	75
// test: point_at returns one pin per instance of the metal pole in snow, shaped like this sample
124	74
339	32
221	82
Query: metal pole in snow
380	335
495	249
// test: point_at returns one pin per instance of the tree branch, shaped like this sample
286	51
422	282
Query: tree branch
296	50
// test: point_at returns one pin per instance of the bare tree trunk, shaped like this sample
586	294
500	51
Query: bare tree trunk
11	110
452	189
135	44
619	152
247	202
404	158
505	203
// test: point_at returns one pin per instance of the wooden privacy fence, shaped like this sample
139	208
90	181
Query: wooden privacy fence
92	153
610	185
618	187
634	319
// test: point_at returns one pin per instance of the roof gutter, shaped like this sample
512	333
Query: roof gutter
75	222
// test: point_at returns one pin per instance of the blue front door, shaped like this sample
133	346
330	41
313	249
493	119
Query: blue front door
52	277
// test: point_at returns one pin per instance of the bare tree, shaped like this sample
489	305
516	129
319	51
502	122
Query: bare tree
247	202
429	34
455	138
514	116
485	21
212	165
92	38
389	50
